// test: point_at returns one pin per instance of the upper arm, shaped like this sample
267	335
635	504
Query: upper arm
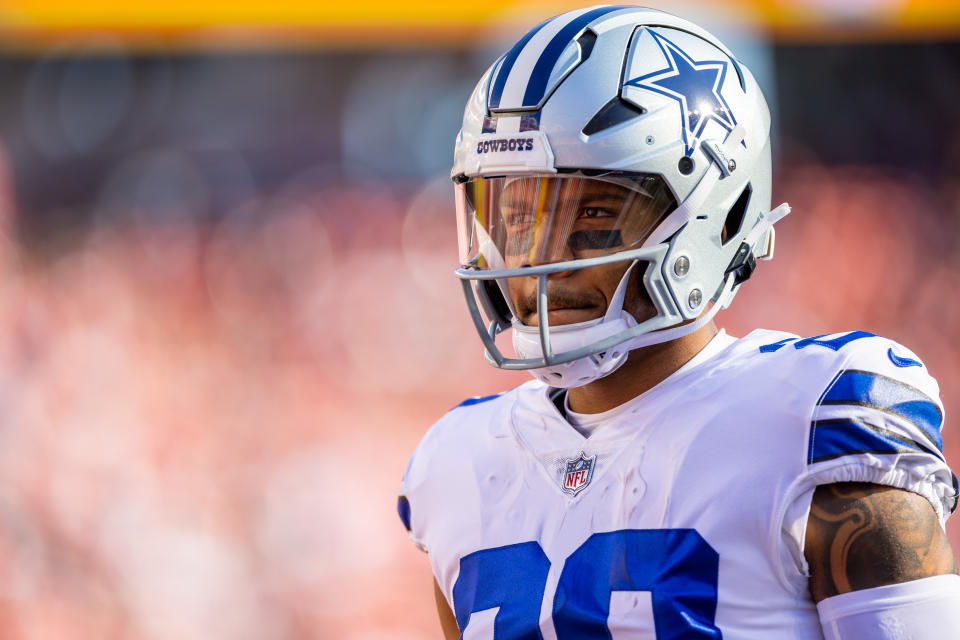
448	622
875	452
863	535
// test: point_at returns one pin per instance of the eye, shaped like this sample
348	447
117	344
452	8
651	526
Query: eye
596	212
517	219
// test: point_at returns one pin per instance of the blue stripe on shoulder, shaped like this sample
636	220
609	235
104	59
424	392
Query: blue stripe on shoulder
863	388
503	72
836	438
834	343
477	400
403	510
537	86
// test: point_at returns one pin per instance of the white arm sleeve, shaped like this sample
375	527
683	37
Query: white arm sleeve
925	609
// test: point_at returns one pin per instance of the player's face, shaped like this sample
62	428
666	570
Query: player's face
587	218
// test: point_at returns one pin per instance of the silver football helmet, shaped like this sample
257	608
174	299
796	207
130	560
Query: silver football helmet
611	134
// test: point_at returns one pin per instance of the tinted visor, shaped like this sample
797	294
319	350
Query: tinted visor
521	221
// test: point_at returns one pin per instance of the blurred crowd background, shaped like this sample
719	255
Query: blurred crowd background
227	309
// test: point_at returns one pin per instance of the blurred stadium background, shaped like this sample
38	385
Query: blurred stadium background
227	313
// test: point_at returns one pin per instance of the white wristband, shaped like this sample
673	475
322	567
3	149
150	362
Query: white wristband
925	609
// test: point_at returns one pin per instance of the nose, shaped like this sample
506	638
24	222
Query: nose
559	275
547	246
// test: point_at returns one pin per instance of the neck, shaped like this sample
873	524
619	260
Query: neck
644	369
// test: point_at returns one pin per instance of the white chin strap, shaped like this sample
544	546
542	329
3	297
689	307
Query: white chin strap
569	337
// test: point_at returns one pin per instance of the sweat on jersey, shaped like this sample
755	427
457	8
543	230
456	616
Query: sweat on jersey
683	514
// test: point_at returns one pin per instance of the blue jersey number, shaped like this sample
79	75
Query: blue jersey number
512	578
677	566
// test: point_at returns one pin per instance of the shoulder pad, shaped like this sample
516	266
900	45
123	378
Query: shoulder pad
443	451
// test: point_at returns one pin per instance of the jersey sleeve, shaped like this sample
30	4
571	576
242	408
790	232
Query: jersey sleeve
439	490
878	420
408	487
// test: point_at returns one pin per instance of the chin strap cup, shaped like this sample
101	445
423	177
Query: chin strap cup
528	343
569	337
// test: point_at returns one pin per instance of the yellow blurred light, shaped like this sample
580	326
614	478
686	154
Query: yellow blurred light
382	23
105	13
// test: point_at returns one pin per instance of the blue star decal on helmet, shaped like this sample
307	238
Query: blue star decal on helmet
695	85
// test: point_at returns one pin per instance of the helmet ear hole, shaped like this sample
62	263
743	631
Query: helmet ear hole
734	221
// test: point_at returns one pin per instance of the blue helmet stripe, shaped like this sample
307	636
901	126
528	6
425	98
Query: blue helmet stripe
540	75
863	388
503	72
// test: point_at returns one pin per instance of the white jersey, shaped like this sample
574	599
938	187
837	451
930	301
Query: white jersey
682	516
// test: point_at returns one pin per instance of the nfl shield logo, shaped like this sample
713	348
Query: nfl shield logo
579	472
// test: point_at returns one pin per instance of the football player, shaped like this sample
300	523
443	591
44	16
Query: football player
659	478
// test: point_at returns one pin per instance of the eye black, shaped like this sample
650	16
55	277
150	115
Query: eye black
594	239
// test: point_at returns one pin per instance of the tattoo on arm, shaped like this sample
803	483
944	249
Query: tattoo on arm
862	535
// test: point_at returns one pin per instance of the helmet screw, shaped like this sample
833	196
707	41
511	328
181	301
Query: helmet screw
685	166
682	266
650	140
695	299
732	164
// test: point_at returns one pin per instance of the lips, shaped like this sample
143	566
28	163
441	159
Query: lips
557	315
553	308
566	305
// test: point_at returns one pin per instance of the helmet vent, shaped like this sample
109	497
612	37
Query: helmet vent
734	221
586	41
611	114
